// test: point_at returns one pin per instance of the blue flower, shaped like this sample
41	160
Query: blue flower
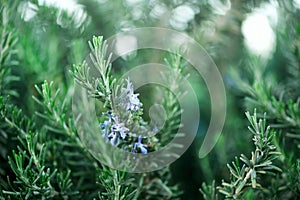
119	127
105	128
155	129
140	146
134	102
113	130
129	99
114	139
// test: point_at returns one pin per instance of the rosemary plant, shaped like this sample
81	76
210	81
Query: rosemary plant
50	161
42	152
260	164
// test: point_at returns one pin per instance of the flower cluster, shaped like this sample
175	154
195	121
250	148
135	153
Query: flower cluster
139	145
128	99
115	127
112	130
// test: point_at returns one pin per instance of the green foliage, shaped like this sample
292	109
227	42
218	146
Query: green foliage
261	161
102	87
41	153
209	192
49	161
258	176
272	87
173	113
7	53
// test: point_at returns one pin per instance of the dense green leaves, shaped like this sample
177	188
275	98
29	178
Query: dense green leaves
41	153
260	163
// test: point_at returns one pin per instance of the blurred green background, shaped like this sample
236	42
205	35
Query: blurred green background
53	34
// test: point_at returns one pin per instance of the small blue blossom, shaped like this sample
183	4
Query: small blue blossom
140	146
119	127
131	100
105	126
114	139
134	102
113	130
155	129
